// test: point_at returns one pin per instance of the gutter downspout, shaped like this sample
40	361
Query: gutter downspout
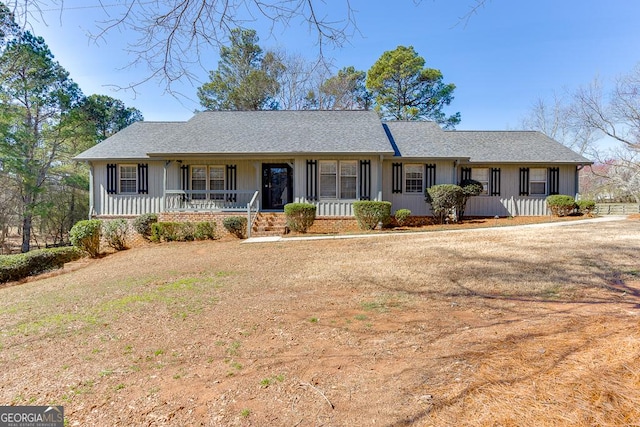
577	180
163	202
91	198
379	175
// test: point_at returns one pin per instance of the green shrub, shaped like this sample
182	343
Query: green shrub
402	216
85	235
236	225
205	230
470	188
370	213
182	231
142	224
19	266
586	207
560	204
444	199
115	233
164	231
300	216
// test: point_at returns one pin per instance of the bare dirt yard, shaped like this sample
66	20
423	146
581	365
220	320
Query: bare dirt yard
495	327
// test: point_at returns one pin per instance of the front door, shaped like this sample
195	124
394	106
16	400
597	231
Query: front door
277	188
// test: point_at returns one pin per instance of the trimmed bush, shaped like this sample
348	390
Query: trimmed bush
19	266
236	225
300	216
85	235
370	213
115	233
470	188
205	230
182	231
561	205
143	223
444	199
586	207
402	216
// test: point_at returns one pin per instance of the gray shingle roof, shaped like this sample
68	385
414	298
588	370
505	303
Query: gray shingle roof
133	142
512	147
250	132
318	132
427	140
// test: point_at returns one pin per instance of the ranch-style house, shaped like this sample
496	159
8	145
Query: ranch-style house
248	161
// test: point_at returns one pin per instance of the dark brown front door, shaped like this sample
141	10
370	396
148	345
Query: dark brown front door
277	188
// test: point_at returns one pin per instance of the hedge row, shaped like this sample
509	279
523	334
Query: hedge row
182	231
19	266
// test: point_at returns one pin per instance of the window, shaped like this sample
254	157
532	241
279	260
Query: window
328	180
128	179
413	178
338	179
204	178
199	181
216	181
348	179
482	176
537	181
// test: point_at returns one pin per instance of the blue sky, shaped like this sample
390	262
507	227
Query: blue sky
507	55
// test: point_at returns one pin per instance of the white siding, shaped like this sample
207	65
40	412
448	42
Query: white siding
415	202
127	204
509	203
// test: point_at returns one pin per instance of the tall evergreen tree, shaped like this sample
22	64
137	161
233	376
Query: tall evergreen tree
108	115
246	79
346	91
36	97
405	90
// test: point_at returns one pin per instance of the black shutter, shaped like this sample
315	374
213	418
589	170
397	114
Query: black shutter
365	180
396	185
465	174
112	178
495	182
554	181
312	180
429	175
184	172
230	182
143	178
524	181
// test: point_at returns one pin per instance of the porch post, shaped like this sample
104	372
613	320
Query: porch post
91	197
379	178
163	203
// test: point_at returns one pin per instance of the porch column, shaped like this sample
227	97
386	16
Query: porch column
163	202
379	179
91	197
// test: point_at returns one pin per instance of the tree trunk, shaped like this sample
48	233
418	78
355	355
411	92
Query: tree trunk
26	232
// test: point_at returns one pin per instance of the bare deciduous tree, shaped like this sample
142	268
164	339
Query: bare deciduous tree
170	36
557	121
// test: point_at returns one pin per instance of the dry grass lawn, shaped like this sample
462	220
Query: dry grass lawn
492	327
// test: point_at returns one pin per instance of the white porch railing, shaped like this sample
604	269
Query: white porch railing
208	200
252	206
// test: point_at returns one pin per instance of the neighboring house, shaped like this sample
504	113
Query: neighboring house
224	161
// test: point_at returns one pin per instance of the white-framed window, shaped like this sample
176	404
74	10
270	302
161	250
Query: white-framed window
205	178
538	181
128	179
328	179
482	176
348	179
198	181
413	178
216	181
338	179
